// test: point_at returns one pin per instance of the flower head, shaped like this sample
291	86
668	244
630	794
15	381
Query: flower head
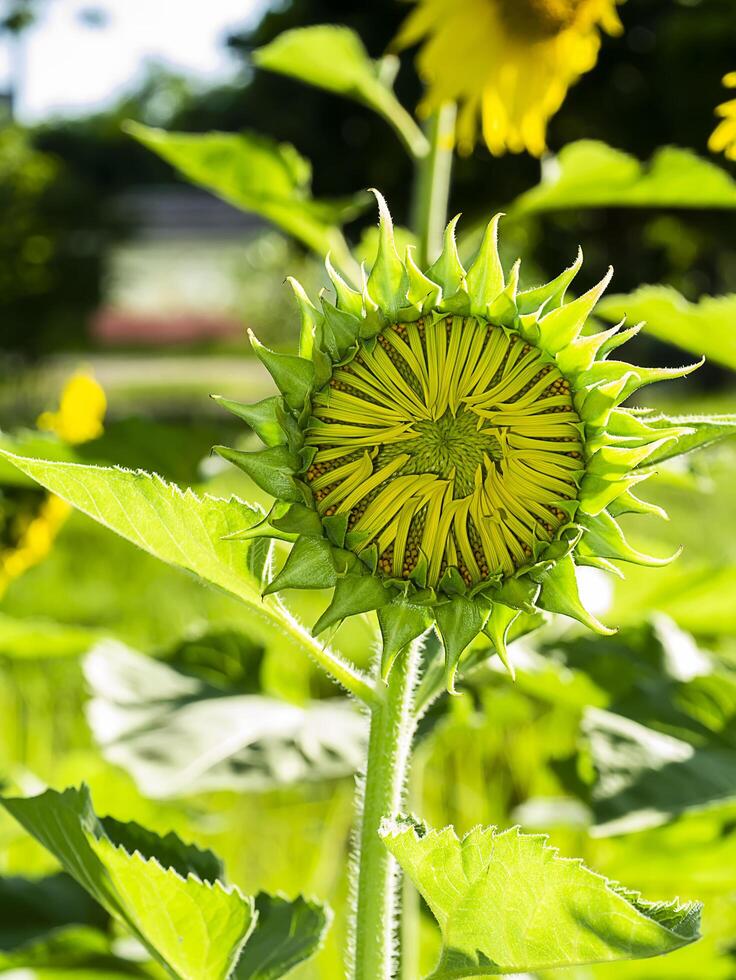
446	448
82	408
723	137
507	62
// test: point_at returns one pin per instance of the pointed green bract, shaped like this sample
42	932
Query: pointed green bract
294	375
497	629
451	447
400	623
458	623
354	594
508	903
559	594
262	417
309	566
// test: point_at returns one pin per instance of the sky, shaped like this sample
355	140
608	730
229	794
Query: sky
69	67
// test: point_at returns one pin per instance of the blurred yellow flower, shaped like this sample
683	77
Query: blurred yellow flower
81	410
29	532
34	536
509	62
723	137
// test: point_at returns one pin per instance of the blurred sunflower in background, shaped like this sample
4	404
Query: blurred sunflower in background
508	63
723	137
29	519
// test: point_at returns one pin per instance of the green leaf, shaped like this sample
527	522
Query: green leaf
30	909
707	327
177	736
176	526
335	59
193	928
288	933
706	430
256	174
589	174
644	777
508	903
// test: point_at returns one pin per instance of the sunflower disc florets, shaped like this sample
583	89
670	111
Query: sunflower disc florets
446	448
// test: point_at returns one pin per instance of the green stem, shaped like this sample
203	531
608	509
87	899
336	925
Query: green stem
432	185
377	898
410	941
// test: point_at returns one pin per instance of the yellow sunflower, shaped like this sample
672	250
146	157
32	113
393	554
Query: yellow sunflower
29	521
723	137
509	62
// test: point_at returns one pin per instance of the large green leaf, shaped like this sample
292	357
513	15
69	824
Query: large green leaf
256	174
589	174
179	527
171	895
29	442
644	777
178	736
194	927
508	903
706	429
707	327
334	58
287	933
29	909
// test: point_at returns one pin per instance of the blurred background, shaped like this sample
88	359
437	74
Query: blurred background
113	268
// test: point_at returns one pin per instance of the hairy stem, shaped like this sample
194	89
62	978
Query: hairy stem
432	184
377	892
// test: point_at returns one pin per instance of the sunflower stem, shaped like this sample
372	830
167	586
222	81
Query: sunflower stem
375	914
432	184
340	670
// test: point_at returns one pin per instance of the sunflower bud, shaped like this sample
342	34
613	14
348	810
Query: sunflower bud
450	447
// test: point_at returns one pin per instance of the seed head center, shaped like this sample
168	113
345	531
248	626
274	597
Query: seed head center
450	445
456	447
537	20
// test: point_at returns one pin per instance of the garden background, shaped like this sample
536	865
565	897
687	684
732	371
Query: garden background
114	268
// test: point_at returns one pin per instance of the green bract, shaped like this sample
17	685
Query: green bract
446	448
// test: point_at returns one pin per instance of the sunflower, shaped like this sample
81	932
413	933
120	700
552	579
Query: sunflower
29	520
446	448
509	62
723	137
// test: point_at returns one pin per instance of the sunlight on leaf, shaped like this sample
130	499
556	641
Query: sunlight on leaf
170	895
257	174
193	927
644	777
177	736
589	174
707	327
556	912
334	58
